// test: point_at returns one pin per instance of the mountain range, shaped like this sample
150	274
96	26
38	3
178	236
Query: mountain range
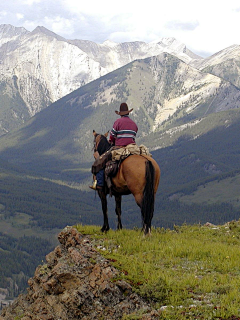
174	94
40	67
168	96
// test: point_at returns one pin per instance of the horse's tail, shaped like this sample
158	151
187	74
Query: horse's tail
147	207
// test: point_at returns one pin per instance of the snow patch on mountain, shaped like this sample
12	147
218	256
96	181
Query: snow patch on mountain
109	43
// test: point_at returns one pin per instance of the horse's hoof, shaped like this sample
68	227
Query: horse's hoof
105	229
147	230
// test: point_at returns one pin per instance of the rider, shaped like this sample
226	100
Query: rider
123	133
124	129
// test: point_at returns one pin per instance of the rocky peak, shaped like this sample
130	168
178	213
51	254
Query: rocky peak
43	31
7	30
76	282
10	33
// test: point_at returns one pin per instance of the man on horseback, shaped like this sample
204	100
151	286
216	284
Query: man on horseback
136	173
123	133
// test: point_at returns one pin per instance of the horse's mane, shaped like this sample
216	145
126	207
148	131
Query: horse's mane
103	145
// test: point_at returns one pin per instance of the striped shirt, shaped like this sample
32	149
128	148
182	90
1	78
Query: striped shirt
123	132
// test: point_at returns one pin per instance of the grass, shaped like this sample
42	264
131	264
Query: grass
191	272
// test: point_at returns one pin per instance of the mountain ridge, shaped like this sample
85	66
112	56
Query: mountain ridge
151	86
43	66
46	67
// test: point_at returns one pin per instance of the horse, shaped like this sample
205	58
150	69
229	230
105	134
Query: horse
138	175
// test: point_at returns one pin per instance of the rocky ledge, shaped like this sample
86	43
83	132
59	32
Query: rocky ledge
76	282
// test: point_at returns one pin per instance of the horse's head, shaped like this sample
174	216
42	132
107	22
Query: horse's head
101	143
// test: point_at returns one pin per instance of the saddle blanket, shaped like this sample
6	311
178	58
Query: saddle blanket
124	152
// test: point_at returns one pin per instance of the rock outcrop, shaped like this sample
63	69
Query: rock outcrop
76	282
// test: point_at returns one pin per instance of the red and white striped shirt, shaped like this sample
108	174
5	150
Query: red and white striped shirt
124	131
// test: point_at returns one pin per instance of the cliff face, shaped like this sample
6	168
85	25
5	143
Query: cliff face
76	282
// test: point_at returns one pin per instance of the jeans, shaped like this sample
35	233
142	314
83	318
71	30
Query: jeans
100	178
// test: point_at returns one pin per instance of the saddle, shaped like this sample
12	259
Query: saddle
100	162
118	156
111	160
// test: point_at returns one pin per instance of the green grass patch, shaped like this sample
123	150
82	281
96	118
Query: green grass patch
193	271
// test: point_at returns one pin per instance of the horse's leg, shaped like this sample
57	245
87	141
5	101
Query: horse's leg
118	199
147	205
145	199
103	198
139	201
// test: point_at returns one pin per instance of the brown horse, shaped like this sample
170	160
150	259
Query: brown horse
137	174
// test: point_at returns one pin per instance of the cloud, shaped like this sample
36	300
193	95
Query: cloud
182	25
237	9
206	26
3	14
60	25
19	16
31	2
101	8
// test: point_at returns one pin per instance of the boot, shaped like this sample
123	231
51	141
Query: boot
94	186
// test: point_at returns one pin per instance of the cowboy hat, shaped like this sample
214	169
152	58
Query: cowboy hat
123	109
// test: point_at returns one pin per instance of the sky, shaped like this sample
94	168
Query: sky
204	26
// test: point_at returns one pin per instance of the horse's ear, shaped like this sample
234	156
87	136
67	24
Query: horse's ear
106	134
94	132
